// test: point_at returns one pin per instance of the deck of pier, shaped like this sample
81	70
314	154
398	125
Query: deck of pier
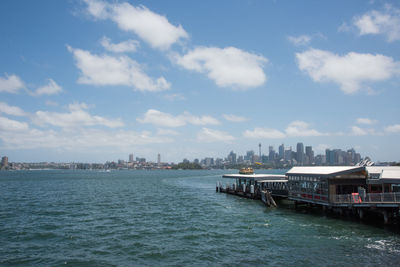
252	185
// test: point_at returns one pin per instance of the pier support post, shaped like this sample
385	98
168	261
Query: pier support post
324	209
385	217
361	213
341	211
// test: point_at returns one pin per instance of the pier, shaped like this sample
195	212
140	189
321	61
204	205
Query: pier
359	190
256	186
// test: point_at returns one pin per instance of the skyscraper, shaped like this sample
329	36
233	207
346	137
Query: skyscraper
259	151
300	153
130	157
232	157
158	159
309	155
282	152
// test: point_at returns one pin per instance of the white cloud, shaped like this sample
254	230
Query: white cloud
11	84
159	118
98	9
301	128
51	88
122	47
357	131
300	40
7	125
108	70
17	135
234	118
203	120
264	133
376	22
393	128
366	121
76	117
294	129
209	135
349	71
11	110
344	27
149	26
228	67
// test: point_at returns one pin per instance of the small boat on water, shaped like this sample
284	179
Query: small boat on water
246	170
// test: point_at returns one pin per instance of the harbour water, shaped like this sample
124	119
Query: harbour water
148	218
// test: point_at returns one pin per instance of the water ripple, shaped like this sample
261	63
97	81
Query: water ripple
169	218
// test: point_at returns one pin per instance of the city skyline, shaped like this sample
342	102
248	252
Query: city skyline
93	80
285	154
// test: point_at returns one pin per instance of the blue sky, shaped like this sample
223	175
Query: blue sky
97	80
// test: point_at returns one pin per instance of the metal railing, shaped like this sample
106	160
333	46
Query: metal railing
393	197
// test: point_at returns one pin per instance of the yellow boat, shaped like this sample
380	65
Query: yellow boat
247	170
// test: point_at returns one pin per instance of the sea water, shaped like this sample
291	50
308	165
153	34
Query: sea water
169	218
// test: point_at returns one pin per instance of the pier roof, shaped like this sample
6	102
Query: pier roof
326	171
387	174
390	176
255	177
380	169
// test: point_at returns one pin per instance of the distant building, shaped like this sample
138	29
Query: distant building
288	154
209	162
271	154
232	158
300	153
130	157
249	156
4	162
141	160
281	152
309	155
357	158
264	158
158	159
219	162
320	160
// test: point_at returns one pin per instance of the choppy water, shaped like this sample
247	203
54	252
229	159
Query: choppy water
150	218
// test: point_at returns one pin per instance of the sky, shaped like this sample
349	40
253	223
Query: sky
93	81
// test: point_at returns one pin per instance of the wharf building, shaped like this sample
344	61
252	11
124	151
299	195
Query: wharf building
356	190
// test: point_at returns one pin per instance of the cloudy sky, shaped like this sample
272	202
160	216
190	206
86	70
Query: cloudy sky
91	80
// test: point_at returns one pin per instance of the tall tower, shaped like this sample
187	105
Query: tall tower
300	153
259	151
158	159
309	155
282	151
